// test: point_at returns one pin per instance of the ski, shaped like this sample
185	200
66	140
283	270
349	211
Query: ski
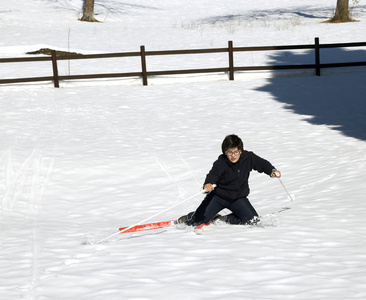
157	225
202	226
149	226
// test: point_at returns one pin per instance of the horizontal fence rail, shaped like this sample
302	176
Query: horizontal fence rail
144	74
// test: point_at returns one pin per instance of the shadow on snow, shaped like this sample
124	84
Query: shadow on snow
273	14
336	99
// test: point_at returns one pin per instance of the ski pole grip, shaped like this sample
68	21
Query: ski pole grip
277	173
205	192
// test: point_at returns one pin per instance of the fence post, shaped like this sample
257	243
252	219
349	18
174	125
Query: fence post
143	65
55	70
317	57
231	61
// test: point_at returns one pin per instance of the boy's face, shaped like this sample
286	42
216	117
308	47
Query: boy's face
233	154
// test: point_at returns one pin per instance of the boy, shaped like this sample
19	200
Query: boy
227	185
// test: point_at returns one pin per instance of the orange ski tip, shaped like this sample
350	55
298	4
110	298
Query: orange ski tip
144	227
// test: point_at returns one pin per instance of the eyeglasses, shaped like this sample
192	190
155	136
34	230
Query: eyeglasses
231	153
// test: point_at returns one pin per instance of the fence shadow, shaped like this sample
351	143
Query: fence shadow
337	98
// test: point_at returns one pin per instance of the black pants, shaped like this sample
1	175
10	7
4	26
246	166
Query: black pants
242	211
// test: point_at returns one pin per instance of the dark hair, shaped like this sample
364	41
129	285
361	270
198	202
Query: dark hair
232	141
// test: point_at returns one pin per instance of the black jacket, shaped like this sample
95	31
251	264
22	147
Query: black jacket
232	178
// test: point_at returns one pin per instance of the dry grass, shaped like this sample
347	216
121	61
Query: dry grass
47	51
232	27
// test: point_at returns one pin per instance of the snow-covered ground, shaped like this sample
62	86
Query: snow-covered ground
80	161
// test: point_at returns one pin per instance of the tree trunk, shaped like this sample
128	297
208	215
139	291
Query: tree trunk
342	12
88	11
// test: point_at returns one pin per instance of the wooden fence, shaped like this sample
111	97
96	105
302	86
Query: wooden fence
144	74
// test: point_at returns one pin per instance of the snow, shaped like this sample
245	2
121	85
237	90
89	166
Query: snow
80	161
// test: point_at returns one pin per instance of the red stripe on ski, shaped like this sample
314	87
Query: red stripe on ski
202	225
149	226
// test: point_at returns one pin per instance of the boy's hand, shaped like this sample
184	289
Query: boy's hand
275	173
209	187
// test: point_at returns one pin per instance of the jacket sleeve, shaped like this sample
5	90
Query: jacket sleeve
215	173
260	164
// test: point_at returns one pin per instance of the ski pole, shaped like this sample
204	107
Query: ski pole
286	189
145	220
